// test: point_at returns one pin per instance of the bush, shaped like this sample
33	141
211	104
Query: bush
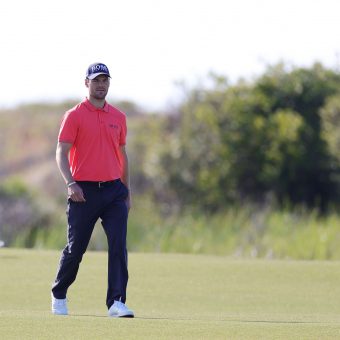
18	211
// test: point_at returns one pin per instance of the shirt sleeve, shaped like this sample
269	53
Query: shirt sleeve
69	128
123	132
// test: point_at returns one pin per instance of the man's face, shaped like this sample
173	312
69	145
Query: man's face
98	87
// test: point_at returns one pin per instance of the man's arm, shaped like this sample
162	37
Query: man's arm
74	191
125	174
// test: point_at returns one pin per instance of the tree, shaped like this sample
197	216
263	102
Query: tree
245	141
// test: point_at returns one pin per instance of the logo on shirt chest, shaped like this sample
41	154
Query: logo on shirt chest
113	126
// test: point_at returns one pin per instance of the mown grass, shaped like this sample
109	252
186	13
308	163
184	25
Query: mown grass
174	296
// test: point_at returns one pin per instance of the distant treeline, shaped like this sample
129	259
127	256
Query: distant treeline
276	138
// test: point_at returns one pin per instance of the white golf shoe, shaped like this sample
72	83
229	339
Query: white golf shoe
59	306
120	310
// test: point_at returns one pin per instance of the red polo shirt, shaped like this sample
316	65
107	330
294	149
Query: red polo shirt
96	135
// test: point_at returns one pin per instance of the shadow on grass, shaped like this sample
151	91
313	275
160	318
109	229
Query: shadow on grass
206	320
229	320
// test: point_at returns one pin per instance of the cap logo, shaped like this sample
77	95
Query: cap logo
96	69
99	68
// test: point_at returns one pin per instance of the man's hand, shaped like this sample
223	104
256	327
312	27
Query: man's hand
75	193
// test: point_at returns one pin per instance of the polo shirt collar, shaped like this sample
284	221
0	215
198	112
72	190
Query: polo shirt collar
91	107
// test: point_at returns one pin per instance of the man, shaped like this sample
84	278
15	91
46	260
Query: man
92	159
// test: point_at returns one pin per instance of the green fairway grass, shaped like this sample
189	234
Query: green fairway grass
173	297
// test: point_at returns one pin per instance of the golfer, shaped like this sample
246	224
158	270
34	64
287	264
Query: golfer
92	159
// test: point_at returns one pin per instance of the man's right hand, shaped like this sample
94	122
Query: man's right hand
75	193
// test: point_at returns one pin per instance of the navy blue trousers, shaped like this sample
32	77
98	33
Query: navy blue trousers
107	203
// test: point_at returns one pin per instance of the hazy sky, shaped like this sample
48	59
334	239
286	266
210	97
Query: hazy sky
148	45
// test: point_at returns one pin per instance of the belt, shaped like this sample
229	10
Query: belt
99	184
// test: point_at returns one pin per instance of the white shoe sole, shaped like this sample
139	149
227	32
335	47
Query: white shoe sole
122	316
54	313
